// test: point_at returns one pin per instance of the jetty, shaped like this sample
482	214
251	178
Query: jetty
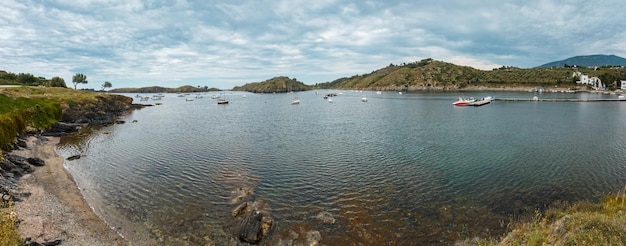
535	99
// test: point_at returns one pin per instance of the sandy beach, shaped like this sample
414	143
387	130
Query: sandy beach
51	207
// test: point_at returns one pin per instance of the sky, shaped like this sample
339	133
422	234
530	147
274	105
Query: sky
222	44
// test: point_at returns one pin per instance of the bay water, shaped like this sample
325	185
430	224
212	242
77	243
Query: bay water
399	169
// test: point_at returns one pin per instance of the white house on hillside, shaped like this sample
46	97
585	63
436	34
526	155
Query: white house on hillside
623	85
594	82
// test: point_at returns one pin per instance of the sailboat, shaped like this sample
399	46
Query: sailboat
222	100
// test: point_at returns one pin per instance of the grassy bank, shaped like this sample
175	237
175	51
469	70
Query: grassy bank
583	223
37	108
21	113
9	235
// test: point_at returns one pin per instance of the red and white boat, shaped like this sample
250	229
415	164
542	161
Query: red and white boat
473	102
463	102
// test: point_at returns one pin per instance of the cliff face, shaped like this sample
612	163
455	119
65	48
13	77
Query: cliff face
101	111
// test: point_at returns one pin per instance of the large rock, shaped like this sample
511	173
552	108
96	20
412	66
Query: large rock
103	111
252	222
36	162
61	129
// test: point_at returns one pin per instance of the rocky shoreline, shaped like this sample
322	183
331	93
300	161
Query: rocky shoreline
49	205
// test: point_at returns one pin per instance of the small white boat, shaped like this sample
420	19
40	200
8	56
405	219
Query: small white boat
364	99
330	100
144	98
189	99
296	100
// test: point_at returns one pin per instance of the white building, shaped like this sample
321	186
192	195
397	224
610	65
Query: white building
623	85
594	82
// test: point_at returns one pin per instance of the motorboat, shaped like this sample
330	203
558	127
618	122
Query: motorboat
364	98
464	101
296	100
473	102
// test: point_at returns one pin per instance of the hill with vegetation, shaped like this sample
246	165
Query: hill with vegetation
429	74
159	89
588	61
274	85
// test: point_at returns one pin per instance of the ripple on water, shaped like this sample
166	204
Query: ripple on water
402	169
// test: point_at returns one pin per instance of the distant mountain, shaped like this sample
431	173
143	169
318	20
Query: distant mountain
588	61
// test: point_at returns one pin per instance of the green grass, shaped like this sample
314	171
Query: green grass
583	223
35	108
18	114
9	235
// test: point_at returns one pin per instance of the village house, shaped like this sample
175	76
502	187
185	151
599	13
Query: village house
623	87
594	82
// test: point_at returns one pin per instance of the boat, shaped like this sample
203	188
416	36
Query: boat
222	100
364	98
189	99
144	98
330	100
296	100
463	101
472	102
215	97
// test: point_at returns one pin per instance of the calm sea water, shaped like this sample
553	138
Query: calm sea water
396	170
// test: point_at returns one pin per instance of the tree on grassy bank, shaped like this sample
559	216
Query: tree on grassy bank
79	78
106	84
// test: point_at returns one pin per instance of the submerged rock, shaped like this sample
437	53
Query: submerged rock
252	222
325	217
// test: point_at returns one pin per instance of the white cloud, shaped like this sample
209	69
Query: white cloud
150	42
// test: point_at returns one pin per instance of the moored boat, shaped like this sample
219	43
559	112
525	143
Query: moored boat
472	102
463	101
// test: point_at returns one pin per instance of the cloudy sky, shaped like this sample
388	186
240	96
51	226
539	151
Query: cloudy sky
137	43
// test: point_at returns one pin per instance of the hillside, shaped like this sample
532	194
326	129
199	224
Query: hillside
274	85
429	74
159	89
588	61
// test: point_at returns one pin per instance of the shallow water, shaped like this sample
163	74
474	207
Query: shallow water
398	169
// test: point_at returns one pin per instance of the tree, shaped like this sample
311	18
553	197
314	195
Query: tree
106	84
79	78
57	82
27	79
